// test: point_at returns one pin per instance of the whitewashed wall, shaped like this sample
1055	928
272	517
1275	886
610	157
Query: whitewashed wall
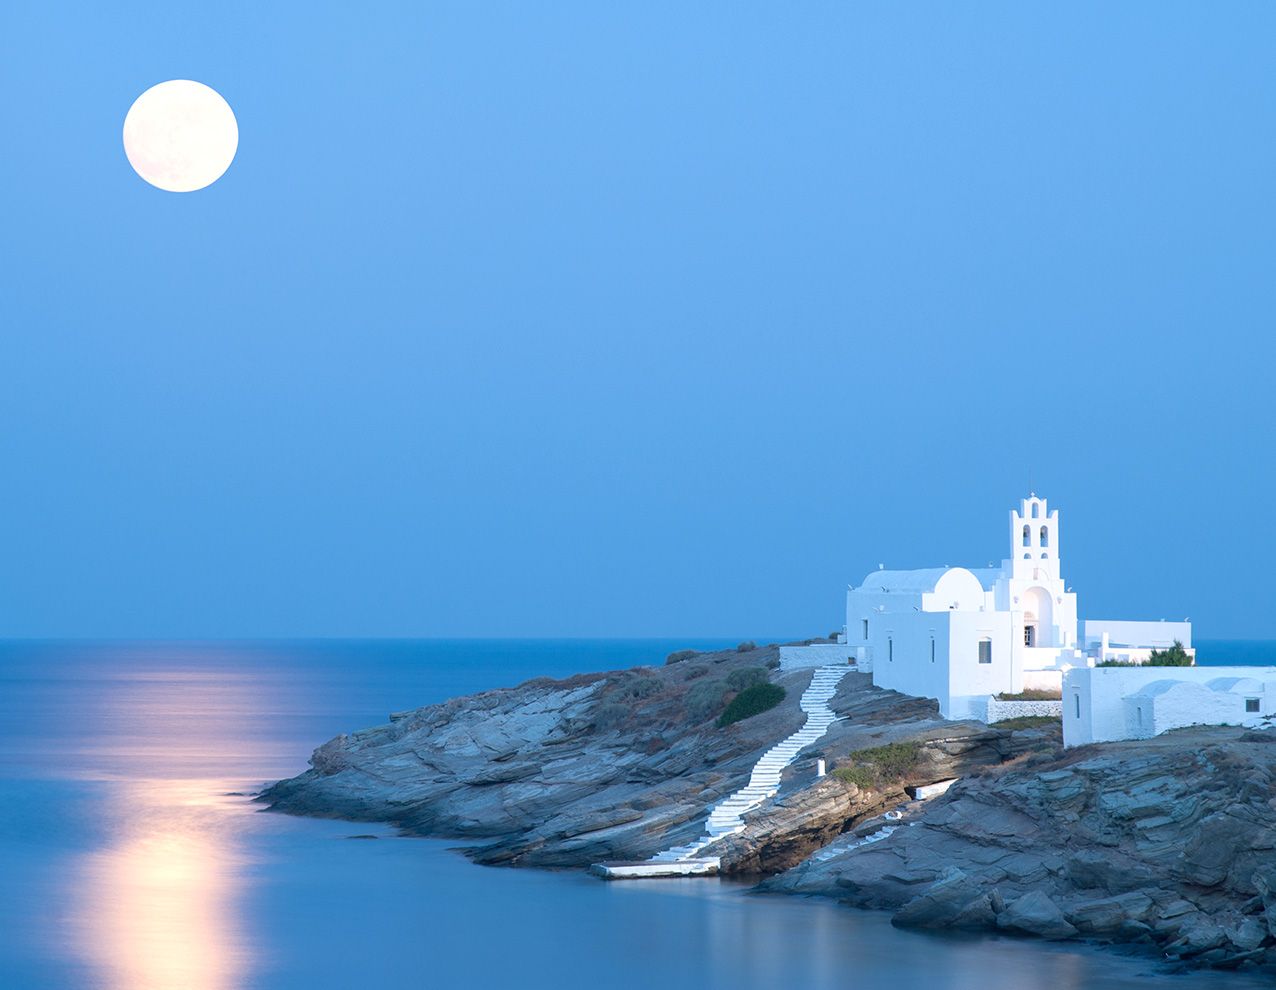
969	681
1095	707
1123	632
815	655
999	711
907	638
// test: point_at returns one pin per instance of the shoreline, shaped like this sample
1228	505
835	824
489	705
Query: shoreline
561	774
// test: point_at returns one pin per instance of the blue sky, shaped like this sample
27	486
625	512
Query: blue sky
568	319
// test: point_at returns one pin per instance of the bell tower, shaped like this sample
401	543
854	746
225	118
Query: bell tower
1034	540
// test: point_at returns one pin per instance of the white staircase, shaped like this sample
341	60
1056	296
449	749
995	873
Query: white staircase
726	817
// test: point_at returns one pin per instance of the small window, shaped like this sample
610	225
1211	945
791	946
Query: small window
890	650
1251	704
1045	556
1076	699
866	628
1027	556
1036	509
1029	635
1138	713
932	651
985	651
1045	536
1027	536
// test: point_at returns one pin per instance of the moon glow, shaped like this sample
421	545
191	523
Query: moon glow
180	135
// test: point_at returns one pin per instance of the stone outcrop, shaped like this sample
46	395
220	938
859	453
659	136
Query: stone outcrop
615	766
1167	842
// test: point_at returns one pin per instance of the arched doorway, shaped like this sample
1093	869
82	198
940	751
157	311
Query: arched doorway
1038	618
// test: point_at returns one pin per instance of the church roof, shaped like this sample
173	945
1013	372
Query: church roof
904	582
923	579
1152	689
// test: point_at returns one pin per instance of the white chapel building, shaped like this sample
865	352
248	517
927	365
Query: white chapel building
961	634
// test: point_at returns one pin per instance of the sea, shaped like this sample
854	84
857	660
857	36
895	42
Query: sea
132	856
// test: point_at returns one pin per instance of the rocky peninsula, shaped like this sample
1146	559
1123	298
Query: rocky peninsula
1167	843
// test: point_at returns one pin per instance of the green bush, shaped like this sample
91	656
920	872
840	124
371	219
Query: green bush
706	699
636	688
861	777
746	646
746	677
609	715
1032	694
1175	656
694	671
680	655
751	701
880	765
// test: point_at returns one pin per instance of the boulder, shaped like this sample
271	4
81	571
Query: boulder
1108	915
1036	914
951	897
1198	934
1246	935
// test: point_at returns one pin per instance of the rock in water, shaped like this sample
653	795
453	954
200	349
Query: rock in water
1036	914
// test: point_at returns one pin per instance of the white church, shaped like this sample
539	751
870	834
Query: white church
961	634
965	635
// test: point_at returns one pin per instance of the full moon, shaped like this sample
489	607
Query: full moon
180	135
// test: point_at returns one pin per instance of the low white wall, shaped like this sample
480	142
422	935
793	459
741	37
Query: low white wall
1096	706
1043	680
1127	632
999	711
815	655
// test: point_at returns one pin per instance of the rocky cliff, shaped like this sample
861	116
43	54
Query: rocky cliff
614	766
1167	842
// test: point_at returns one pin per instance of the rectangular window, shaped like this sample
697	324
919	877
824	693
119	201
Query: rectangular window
1251	704
1076	698
1139	713
866	628
985	651
890	649
932	649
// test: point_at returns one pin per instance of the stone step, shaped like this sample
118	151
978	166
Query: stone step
725	817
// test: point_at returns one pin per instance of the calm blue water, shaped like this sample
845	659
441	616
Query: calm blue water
131	860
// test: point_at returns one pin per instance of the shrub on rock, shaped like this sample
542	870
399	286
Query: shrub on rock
751	701
706	699
746	677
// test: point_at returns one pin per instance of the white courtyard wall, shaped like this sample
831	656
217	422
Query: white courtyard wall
1095	705
999	711
815	655
1123	632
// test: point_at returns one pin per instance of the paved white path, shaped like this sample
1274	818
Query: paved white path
726	817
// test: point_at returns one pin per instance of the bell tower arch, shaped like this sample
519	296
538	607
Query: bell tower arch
1034	540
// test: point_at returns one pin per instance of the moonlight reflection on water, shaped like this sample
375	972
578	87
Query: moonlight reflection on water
143	865
161	903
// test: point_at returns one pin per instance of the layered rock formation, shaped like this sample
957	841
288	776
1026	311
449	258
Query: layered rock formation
605	766
1167	842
